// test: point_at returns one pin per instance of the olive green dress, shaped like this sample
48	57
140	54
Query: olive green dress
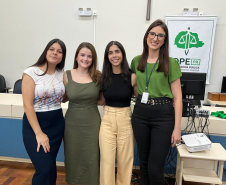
82	124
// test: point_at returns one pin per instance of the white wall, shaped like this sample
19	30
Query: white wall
26	26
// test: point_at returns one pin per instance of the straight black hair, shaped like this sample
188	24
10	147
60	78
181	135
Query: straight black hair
107	66
42	59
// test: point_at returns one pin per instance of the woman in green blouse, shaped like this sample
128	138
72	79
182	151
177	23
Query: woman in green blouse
156	118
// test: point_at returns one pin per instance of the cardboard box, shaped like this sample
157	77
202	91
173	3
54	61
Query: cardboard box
214	96
222	97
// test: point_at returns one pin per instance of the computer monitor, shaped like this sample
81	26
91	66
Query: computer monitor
223	86
193	85
193	89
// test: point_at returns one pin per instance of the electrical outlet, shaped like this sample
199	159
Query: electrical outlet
85	12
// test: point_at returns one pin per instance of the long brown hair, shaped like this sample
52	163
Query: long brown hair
163	52
93	72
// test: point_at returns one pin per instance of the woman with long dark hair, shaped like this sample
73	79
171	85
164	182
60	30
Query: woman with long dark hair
156	122
43	121
82	119
116	135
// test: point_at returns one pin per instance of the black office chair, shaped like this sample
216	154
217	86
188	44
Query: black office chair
3	88
17	87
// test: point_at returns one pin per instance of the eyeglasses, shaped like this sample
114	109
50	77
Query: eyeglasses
152	35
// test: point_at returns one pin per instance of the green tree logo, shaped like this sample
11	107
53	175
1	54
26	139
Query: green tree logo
187	39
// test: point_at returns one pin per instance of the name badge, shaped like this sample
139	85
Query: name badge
144	98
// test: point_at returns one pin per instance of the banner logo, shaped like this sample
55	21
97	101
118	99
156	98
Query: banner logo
186	40
195	61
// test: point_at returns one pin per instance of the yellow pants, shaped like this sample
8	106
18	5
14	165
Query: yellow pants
116	136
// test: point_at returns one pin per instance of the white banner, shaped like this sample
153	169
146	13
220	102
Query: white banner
191	40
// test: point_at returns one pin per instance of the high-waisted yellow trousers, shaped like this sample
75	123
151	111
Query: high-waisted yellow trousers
116	137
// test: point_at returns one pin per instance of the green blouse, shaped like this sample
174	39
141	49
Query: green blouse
159	85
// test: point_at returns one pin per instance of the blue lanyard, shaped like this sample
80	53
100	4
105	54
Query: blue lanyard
148	79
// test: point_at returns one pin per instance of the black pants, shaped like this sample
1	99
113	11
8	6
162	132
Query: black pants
153	126
52	124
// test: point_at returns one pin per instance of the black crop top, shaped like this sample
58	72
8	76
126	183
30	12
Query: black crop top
119	93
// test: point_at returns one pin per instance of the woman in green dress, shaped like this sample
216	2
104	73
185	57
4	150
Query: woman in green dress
82	119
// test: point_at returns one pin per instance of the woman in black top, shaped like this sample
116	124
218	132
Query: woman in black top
116	134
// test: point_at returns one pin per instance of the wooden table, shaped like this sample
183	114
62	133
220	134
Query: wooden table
214	103
216	153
